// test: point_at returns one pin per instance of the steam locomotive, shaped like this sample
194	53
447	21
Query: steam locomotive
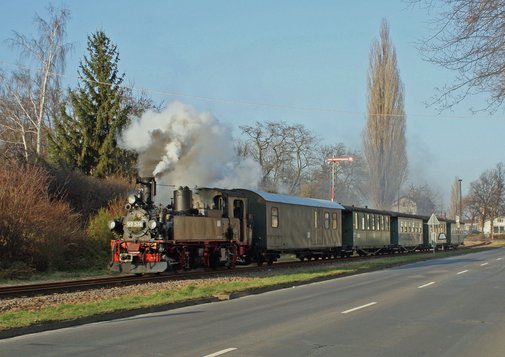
213	227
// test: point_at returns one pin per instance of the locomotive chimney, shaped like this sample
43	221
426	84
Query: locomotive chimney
148	189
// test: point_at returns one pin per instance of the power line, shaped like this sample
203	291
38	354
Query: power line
169	93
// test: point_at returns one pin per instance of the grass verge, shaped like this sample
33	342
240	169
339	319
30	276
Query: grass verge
190	294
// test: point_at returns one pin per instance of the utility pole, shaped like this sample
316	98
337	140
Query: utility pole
334	162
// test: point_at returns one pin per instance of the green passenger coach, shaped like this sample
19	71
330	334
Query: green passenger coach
366	231
282	224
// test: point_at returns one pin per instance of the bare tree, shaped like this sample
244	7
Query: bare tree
384	135
469	39
497	195
425	199
28	99
15	130
351	178
455	203
285	153
487	195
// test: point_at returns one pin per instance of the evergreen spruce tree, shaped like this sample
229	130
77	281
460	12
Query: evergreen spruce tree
84	138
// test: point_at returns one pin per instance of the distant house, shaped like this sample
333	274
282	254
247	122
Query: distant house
405	205
498	226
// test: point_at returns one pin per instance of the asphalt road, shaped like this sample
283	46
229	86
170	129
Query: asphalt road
445	307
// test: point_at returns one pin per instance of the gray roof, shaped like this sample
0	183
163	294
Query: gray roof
295	200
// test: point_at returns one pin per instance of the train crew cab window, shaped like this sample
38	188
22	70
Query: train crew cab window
275	217
334	220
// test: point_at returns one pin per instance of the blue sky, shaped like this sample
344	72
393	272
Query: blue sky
296	61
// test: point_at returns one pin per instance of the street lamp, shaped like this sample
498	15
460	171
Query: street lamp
460	202
334	162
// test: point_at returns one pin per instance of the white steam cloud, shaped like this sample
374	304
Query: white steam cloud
183	147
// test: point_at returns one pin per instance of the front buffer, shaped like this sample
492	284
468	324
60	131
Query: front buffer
135	258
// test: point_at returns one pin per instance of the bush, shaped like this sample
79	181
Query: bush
17	270
35	227
98	230
86	194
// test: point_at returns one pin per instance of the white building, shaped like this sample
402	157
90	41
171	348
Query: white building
498	226
406	205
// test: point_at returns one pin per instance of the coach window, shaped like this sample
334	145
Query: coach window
362	220
382	223
275	217
315	219
334	220
355	220
326	220
386	221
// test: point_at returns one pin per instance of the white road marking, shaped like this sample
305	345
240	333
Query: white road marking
359	307
425	285
222	352
499	258
462	272
483	264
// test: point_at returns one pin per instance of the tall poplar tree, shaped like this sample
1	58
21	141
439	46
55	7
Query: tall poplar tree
85	136
384	134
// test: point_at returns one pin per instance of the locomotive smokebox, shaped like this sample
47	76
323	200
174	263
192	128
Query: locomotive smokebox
148	189
183	198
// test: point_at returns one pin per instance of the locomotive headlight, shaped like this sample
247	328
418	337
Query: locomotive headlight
115	226
112	224
152	224
132	199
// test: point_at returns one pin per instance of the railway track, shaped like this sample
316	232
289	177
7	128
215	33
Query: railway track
11	291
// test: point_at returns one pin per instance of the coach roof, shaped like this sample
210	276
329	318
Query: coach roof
295	200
